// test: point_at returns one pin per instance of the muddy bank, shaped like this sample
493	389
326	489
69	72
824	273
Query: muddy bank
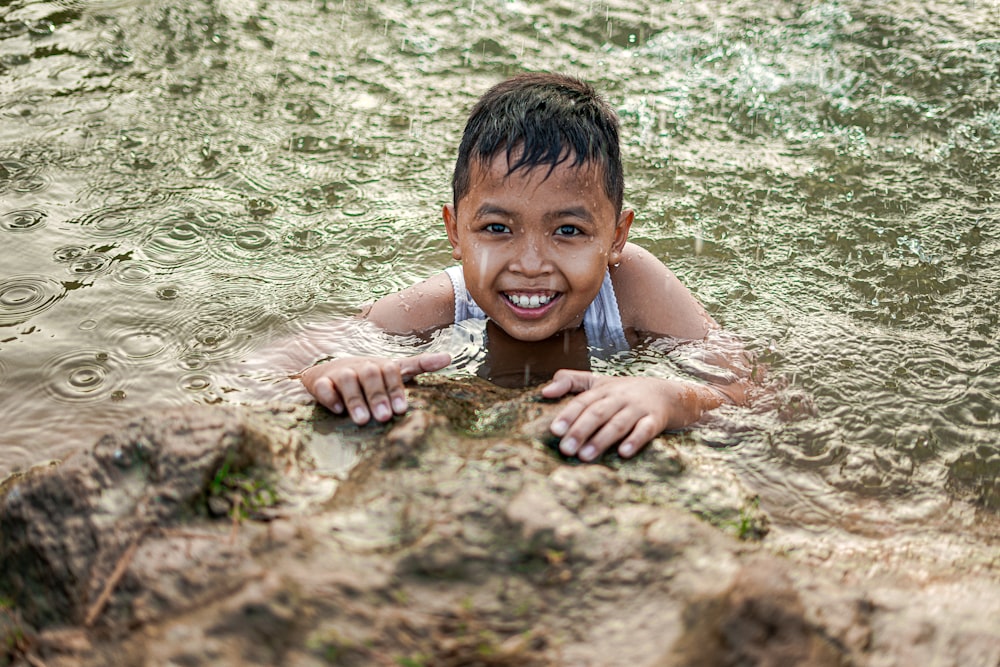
453	536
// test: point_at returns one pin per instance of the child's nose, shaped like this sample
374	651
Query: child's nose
530	259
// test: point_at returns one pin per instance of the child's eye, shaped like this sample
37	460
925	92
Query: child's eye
496	228
568	230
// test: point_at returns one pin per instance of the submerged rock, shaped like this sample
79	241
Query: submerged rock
454	535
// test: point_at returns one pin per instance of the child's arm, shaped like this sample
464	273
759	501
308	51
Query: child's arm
653	300
369	387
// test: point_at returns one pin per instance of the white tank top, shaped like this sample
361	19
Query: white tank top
601	322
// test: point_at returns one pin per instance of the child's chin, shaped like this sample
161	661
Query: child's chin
528	334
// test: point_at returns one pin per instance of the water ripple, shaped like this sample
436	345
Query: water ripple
109	222
84	375
251	243
133	273
22	177
143	341
24	296
69	253
176	243
22	220
90	264
231	316
195	383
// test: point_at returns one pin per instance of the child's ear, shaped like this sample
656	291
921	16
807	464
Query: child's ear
621	236
451	226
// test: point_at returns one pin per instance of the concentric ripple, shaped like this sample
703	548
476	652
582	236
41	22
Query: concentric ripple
84	375
133	273
88	264
109	222
20	177
22	297
69	253
195	383
251	243
22	220
176	244
142	342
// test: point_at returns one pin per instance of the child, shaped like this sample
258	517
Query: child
537	223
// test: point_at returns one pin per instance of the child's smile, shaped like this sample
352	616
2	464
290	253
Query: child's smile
535	245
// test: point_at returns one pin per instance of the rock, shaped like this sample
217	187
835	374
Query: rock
66	531
453	535
758	620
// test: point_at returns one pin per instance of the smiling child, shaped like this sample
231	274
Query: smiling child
537	223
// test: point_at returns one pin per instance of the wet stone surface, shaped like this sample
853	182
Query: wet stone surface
455	535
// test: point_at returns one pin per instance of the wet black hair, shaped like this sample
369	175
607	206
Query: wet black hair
549	118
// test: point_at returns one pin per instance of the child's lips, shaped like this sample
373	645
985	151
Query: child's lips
530	304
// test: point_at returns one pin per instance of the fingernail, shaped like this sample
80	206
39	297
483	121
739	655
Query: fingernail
399	405
382	412
338	408
588	452
568	446
559	427
627	449
360	415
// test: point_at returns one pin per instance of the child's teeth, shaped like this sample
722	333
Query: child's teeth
533	301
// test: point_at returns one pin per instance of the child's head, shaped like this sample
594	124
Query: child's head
537	219
542	120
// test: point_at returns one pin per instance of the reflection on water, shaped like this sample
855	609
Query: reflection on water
185	186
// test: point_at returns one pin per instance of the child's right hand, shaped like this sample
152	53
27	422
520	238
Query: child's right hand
368	386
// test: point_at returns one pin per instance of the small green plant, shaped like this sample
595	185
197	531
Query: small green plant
14	642
750	526
244	492
418	660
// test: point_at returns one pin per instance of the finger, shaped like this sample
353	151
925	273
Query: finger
327	394
608	433
645	430
354	397
372	377
396	394
568	381
565	424
423	363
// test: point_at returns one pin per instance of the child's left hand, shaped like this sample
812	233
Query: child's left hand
633	410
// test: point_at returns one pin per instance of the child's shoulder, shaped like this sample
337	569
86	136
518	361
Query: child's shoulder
652	299
423	307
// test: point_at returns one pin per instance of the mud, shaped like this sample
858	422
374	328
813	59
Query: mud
455	535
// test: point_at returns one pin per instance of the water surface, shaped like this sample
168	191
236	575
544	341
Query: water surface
182	184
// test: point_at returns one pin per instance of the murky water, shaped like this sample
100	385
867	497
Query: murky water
183	183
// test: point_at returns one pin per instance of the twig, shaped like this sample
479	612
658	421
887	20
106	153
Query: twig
33	661
237	505
116	576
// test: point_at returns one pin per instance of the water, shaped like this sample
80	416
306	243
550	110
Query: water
182	184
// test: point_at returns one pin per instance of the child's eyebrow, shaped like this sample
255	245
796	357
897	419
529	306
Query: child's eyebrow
579	212
490	209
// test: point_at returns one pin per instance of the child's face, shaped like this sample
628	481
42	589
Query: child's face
534	246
